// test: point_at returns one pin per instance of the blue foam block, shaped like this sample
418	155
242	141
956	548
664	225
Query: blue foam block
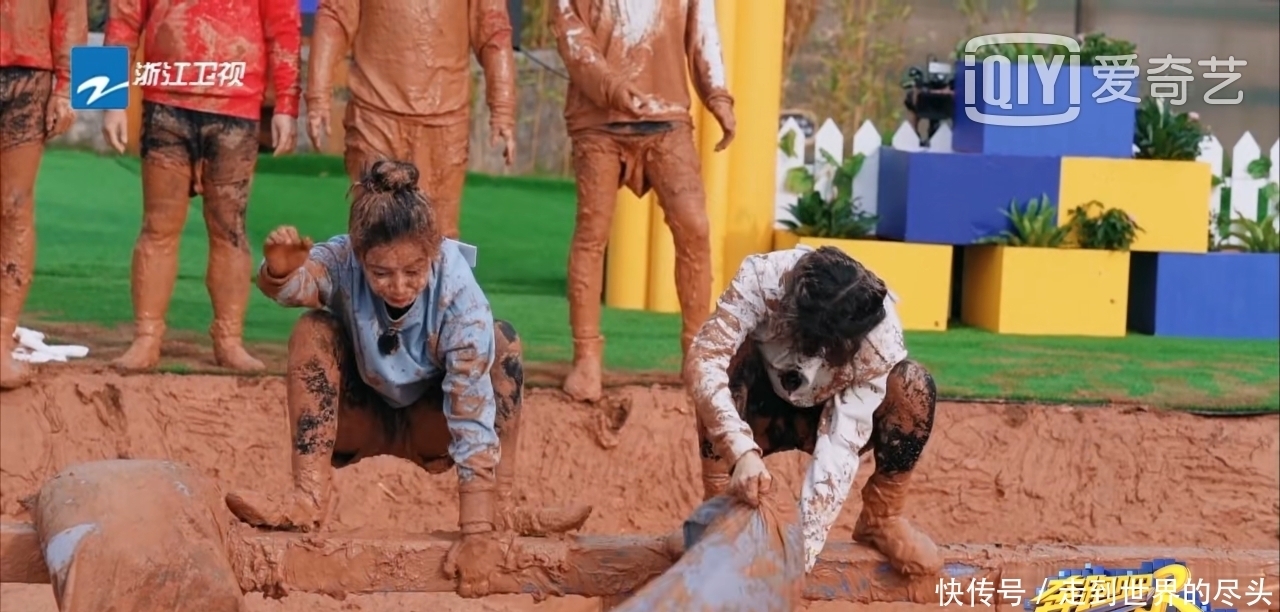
1205	295
1102	129
957	198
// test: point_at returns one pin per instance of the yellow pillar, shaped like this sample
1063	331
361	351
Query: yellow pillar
753	156
715	166
662	248
627	263
134	112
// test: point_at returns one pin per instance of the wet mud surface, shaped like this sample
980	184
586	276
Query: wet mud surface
991	474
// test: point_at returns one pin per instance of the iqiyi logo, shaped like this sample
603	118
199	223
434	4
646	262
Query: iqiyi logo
1001	74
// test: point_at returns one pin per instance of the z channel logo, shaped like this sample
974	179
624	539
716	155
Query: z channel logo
99	78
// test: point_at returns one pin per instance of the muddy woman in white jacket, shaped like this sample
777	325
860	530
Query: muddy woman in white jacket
805	351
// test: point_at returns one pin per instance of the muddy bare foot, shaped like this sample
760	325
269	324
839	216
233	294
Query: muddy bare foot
14	373
609	415
143	354
232	355
583	383
541	522
292	512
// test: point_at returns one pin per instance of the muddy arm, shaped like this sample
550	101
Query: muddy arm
69	28
335	26
739	311
310	286
282	29
588	69
466	345
705	55
124	24
491	43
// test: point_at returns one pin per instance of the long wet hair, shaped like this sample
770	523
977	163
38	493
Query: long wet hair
387	206
830	304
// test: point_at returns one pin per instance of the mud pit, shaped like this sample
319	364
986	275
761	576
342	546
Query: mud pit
992	474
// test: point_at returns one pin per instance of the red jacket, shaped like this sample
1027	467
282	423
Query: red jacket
40	34
214	31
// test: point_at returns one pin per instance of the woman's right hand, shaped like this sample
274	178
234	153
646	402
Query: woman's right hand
750	479
285	251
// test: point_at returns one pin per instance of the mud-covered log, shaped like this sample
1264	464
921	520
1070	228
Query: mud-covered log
601	566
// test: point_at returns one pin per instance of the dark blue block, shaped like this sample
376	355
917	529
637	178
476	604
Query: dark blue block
1205	295
1102	129
957	198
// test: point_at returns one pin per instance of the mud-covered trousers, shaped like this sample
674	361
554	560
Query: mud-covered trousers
185	153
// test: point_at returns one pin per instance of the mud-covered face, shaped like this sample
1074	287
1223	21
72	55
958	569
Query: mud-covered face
397	271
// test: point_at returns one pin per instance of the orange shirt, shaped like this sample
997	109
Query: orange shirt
264	35
40	34
653	47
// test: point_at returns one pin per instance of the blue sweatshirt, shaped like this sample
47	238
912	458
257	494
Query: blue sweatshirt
447	335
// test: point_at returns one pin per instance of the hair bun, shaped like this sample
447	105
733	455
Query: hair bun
388	176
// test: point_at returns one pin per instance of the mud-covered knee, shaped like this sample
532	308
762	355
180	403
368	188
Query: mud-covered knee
317	331
905	420
692	227
913	384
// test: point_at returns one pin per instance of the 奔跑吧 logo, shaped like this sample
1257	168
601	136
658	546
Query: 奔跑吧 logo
99	78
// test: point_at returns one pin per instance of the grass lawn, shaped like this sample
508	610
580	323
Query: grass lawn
88	213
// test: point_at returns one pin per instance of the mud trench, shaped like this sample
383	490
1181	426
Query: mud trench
992	474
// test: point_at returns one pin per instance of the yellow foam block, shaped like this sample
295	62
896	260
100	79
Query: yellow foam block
753	156
919	274
1168	199
1051	292
662	264
627	263
715	165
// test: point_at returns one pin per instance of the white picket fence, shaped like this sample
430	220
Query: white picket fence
867	140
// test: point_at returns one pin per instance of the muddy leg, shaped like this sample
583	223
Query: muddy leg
369	137
23	96
168	138
230	155
317	349
675	171
508	393
902	426
441	156
598	167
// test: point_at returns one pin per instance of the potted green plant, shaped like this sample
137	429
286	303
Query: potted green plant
919	274
1163	184
1034	279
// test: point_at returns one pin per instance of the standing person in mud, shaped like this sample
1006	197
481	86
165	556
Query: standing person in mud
200	136
420	114
36	38
805	351
627	112
398	356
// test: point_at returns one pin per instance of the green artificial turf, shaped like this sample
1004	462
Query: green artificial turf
88	211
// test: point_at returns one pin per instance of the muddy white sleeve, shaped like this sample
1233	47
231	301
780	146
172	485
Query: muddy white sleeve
844	430
741	308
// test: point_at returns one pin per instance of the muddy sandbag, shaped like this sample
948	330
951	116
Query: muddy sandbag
136	536
736	558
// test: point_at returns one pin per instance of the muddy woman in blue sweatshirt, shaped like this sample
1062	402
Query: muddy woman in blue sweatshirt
398	355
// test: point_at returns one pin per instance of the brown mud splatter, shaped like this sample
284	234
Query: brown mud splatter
1061	475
